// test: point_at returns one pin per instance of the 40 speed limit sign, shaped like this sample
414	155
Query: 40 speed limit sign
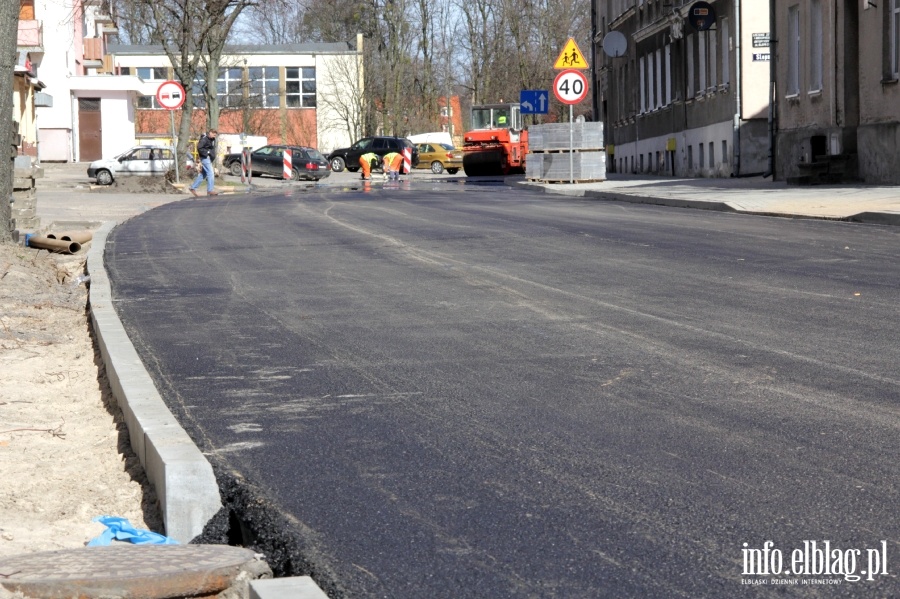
570	86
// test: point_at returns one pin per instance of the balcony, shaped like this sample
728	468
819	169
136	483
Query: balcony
93	48
30	35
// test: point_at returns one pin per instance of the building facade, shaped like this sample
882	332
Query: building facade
100	96
838	89
300	94
684	96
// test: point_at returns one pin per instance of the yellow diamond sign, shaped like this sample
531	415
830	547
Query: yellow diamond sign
570	57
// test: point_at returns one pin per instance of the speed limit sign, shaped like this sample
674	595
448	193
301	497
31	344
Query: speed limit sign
570	86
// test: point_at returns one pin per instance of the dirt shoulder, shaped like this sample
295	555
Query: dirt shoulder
64	451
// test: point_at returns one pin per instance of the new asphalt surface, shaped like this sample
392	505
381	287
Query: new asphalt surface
453	389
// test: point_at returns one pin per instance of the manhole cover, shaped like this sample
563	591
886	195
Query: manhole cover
128	571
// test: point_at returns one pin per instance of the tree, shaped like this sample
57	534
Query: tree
192	33
9	25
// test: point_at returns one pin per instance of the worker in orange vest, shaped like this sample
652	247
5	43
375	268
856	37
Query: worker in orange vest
366	162
392	162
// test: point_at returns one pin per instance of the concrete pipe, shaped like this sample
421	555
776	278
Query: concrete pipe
76	236
81	237
54	245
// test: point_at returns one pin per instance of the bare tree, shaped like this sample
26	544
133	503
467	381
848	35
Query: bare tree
189	31
9	24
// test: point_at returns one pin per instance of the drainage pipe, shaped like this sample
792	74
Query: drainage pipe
54	245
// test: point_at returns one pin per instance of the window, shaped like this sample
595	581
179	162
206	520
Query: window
300	87
229	88
712	59
199	87
690	65
726	53
793	48
702	55
724	150
700	147
651	91
691	157
643	87
151	74
668	74
659	89
895	39
264	87
815	45
712	155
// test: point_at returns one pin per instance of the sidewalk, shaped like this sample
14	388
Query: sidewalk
753	195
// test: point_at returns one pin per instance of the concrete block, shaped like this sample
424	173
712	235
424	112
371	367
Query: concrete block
23	162
181	475
295	587
25	201
25	193
26	224
22	182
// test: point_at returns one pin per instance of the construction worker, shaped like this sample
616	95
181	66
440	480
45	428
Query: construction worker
366	162
392	162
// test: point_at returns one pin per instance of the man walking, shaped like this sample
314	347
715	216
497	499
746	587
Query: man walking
206	149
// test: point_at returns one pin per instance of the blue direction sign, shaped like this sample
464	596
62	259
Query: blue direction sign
534	101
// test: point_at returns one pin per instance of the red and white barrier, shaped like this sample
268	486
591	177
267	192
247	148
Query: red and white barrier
288	164
407	160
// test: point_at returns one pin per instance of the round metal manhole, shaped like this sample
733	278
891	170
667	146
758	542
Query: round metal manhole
127	571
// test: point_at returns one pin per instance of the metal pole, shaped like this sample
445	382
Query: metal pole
174	146
571	145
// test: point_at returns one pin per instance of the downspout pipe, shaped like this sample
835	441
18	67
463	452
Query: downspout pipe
773	90
738	108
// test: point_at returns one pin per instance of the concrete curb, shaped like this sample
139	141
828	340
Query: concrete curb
872	218
181	475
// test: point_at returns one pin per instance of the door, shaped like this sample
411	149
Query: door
90	145
137	162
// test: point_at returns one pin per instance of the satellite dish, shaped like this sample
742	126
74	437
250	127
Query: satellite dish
615	44
701	16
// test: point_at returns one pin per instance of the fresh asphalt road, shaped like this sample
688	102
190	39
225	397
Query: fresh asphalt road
460	390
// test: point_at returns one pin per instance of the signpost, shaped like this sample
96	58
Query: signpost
534	101
170	95
571	87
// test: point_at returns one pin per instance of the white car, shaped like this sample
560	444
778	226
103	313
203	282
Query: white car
139	160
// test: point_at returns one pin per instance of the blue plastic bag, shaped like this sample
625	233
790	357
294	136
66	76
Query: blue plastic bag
121	529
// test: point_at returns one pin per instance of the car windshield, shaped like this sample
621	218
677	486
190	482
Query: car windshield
315	155
447	147
490	118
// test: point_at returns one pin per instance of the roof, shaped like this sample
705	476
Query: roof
306	48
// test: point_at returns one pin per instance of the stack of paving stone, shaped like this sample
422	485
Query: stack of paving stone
549	158
24	201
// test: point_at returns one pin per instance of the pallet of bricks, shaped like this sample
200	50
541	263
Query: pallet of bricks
548	153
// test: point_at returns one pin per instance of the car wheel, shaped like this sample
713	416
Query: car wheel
437	168
295	175
104	177
452	171
352	169
338	164
235	169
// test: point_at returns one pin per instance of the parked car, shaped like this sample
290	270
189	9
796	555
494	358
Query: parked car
349	157
308	163
139	160
439	157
